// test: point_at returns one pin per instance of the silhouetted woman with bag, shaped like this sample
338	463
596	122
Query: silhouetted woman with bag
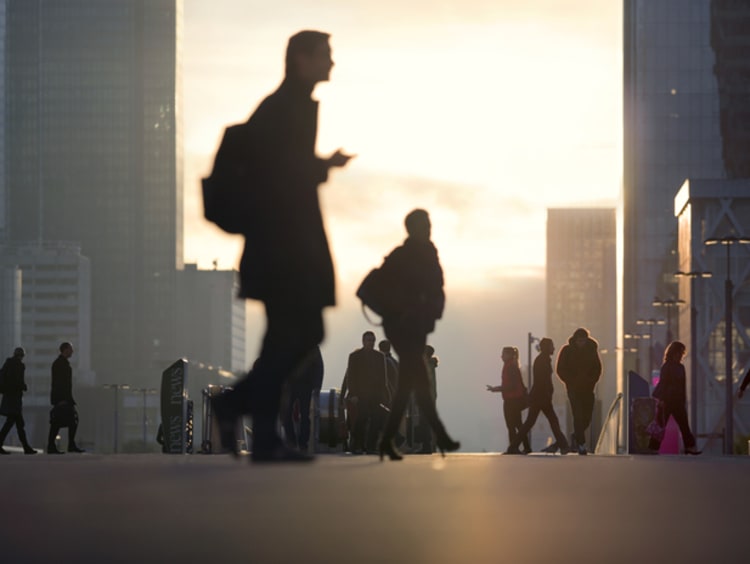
416	277
670	391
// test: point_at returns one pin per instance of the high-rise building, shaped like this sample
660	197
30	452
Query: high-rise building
212	318
582	290
93	154
673	105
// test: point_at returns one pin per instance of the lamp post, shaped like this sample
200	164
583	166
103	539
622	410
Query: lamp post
693	274
728	241
650	324
145	391
531	341
116	388
637	337
669	304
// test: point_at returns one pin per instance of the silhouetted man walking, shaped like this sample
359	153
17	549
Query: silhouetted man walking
286	263
12	386
64	412
367	384
579	367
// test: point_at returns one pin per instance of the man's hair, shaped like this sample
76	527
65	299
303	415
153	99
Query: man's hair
19	352
414	219
64	346
304	42
368	334
384	346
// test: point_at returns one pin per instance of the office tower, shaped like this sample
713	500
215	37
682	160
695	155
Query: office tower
94	156
581	288
673	131
212	318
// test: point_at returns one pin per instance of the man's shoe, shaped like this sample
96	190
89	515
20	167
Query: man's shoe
693	451
53	450
3	451
280	454
74	448
564	449
582	450
29	450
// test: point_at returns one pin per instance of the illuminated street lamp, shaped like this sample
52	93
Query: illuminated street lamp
650	324
728	289
669	304
693	342
637	337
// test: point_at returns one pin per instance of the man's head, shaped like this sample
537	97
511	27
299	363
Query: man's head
384	346
368	340
580	337
418	225
546	346
429	350
308	56
19	352
66	349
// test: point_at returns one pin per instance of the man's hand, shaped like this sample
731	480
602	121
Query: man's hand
339	159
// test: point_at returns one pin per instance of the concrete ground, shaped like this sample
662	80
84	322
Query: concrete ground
466	508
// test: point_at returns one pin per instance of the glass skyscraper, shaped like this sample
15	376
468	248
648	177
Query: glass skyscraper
94	156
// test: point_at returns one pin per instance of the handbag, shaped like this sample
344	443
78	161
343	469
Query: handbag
379	291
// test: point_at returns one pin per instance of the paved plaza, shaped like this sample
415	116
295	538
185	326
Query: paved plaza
465	508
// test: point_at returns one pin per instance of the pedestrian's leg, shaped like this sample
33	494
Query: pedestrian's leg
680	417
9	421
305	397
554	423
531	418
51	446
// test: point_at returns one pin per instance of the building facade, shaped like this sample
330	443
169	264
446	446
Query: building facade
93	154
581	289
710	209
212	318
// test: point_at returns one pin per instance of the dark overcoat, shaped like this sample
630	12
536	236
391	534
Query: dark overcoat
286	257
579	367
418	276
62	382
14	386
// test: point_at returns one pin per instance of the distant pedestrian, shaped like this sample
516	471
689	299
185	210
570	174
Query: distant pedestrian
12	386
540	400
515	399
64	412
366	380
670	391
302	389
384	346
286	262
416	275
579	367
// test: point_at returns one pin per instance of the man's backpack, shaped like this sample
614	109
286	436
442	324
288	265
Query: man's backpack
225	192
381	292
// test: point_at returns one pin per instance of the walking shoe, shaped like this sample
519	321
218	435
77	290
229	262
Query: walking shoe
582	450
3	451
53	450
693	450
29	450
74	448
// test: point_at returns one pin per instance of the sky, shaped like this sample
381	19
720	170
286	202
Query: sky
483	112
